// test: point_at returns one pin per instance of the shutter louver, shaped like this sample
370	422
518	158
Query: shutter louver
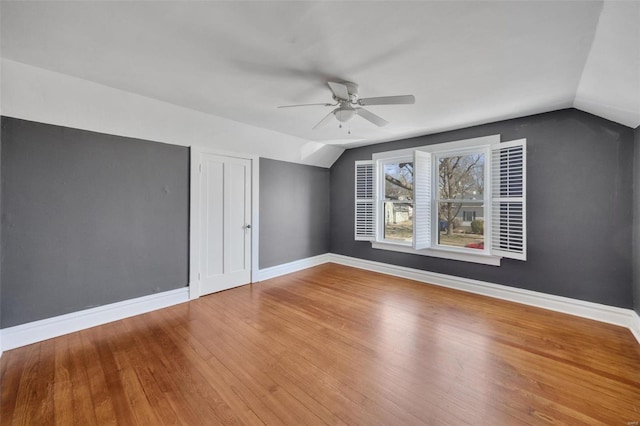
365	209
508	200
422	200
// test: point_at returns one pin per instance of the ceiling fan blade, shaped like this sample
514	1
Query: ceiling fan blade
325	120
368	115
388	100
339	90
301	105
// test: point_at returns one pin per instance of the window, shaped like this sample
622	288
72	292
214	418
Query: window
397	201
468	216
461	200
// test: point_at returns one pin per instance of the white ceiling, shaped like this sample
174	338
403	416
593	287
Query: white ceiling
466	62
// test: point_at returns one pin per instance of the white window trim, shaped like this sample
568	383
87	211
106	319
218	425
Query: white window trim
443	252
461	145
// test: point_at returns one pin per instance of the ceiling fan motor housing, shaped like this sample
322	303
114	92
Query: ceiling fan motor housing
352	88
353	91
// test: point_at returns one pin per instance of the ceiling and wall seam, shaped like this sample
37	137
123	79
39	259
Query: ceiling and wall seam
586	59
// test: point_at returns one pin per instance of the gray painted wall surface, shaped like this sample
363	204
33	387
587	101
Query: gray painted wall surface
294	212
579	208
1	120
636	222
88	219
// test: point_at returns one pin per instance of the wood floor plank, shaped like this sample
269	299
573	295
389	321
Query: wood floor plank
201	400
237	395
62	387
313	350
161	386
105	382
330	345
29	392
388	391
353	355
13	365
257	372
226	405
317	393
104	410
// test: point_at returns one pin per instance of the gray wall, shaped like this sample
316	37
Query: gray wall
636	222
1	120
579	193
88	219
294	212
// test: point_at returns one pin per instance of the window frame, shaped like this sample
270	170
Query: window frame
486	198
381	200
460	147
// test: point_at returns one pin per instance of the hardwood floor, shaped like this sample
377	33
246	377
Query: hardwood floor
330	345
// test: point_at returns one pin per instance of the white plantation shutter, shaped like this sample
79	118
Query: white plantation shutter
421	200
365	193
508	199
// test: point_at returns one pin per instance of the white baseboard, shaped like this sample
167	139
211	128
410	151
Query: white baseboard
36	331
595	311
635	325
297	265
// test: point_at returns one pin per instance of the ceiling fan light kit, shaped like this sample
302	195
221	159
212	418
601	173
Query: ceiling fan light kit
344	114
345	96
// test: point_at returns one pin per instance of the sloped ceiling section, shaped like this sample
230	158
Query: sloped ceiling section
466	62
37	94
610	83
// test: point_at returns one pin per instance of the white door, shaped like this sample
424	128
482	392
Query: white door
225	214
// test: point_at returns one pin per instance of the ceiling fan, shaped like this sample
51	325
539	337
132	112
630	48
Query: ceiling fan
345	96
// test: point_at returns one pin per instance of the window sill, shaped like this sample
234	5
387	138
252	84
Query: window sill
485	259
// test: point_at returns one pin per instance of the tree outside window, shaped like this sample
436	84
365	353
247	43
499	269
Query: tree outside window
398	201
460	190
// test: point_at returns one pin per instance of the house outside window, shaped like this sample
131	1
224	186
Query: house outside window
462	200
468	215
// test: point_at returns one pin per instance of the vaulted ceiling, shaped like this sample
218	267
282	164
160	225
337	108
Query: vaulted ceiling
466	62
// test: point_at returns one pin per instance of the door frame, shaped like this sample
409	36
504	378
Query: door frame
195	252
